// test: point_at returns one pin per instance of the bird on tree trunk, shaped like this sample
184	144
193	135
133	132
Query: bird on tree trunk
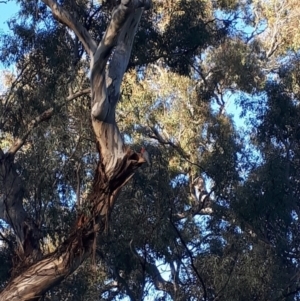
146	156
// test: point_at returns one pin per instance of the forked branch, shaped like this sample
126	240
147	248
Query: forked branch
116	164
106	90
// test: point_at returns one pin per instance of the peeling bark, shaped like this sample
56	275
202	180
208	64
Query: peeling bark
116	162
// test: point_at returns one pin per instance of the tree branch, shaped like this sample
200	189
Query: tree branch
192	260
12	192
203	207
157	136
12	210
153	272
125	18
46	115
123	282
34	123
42	276
64	17
121	56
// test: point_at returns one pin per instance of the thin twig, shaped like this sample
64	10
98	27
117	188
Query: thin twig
192	260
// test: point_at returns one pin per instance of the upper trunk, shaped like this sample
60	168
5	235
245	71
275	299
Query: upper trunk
116	162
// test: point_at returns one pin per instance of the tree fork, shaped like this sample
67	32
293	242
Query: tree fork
116	162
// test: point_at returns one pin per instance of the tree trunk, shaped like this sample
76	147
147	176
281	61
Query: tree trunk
116	165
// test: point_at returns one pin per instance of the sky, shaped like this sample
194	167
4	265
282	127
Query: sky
7	10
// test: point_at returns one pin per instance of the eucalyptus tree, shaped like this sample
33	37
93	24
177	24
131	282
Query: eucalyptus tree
218	218
115	167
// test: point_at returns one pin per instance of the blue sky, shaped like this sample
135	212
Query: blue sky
7	10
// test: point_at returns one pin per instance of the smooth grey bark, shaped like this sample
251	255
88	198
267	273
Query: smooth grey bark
116	164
